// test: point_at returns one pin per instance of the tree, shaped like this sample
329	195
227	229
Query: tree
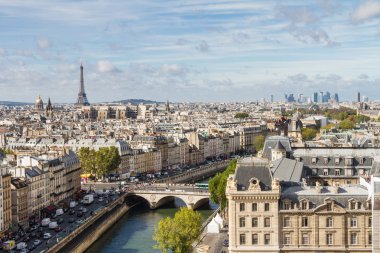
259	142
308	134
177	234
217	185
346	124
241	115
101	162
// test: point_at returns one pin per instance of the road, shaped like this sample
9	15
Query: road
68	227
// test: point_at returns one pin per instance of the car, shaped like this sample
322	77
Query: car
32	247
58	229
33	235
79	214
84	210
71	220
34	227
100	199
60	220
37	242
24	250
225	243
79	221
47	236
71	212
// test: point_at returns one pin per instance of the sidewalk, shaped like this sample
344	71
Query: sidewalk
215	241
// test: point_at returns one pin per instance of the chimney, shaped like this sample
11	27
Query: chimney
335	187
318	187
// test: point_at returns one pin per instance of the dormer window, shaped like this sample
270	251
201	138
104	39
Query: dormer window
348	161
325	172
326	160
337	160
314	160
361	160
352	204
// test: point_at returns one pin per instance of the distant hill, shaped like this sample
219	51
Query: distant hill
137	101
11	103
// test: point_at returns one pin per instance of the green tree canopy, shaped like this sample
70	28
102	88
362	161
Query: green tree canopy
177	234
217	185
101	162
346	124
258	143
241	115
309	134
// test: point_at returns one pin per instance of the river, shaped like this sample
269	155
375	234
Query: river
133	232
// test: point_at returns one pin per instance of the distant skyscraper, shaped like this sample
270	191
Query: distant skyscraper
291	98
358	98
82	97
326	97
336	97
320	99
315	97
271	98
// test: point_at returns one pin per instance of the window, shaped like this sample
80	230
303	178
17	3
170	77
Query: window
314	160
267	222
242	239
305	239
369	238
255	239
337	160
329	207
287	239
325	172
329	239
304	205
286	222
352	205
286	205
305	222
254	207
266	239
329	222
242	222
354	238
255	222
242	207
266	207
354	222
369	221
337	172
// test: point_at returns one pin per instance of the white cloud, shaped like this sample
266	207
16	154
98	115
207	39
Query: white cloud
366	11
105	66
3	52
44	43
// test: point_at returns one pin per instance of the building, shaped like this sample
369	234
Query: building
39	105
358	98
271	209
20	215
5	198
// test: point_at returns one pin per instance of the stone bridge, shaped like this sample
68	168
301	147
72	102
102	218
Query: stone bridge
156	198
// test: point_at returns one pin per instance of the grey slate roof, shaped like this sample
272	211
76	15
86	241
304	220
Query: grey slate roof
272	141
345	193
250	167
287	170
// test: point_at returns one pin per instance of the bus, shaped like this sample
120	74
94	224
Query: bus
201	186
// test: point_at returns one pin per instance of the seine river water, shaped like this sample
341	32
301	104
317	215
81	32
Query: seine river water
133	232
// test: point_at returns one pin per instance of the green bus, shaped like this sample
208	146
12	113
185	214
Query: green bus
201	186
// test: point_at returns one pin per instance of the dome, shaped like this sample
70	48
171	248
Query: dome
39	105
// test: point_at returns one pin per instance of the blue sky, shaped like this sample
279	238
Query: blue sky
188	50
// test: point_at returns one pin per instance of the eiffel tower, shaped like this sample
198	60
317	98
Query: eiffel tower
82	97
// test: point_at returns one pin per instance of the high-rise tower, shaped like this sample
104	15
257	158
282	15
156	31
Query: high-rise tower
82	97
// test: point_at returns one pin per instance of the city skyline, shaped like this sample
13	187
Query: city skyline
188	50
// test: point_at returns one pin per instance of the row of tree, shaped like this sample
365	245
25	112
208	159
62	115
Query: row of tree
99	163
177	234
217	185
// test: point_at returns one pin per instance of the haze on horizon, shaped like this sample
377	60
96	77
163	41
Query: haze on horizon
188	50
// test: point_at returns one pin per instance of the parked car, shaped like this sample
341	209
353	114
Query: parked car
58	229
60	220
79	214
84	210
37	242
45	222
72	212
53	225
71	220
24	250
32	247
47	236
